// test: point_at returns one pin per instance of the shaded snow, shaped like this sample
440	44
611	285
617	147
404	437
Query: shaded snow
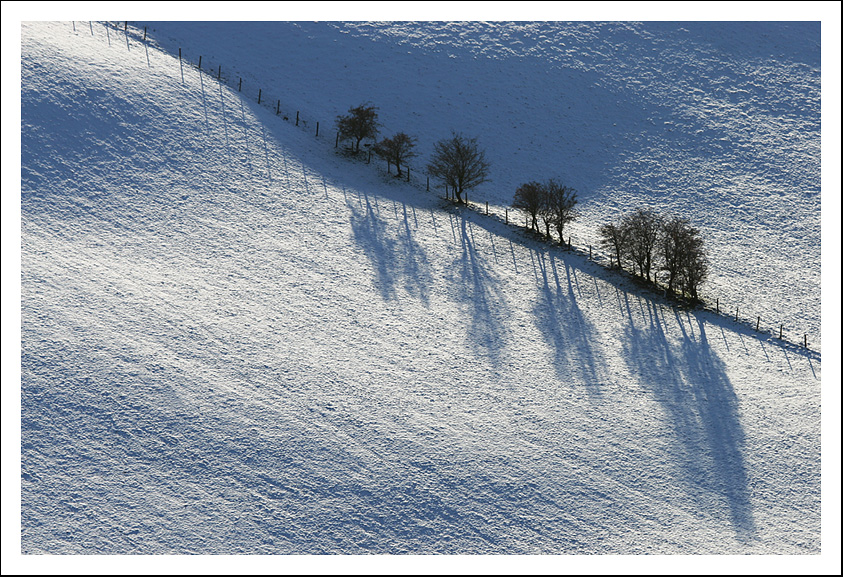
715	121
235	340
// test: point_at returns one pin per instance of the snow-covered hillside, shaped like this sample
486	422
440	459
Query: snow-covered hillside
715	121
235	340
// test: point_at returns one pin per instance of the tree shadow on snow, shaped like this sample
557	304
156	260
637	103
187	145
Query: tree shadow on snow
479	294
563	325
396	257
691	384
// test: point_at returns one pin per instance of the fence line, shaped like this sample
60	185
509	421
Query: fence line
274	104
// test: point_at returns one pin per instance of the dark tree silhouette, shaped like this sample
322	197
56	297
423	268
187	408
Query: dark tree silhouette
673	246
459	163
695	272
397	149
360	122
615	238
682	256
553	202
529	198
646	240
560	201
643	228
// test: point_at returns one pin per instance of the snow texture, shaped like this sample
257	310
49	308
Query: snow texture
237	340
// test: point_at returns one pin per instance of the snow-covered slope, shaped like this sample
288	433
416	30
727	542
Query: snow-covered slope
235	340
715	121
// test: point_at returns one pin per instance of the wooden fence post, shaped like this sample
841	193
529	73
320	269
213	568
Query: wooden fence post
278	108
74	25
297	117
736	312
240	85
219	72
181	67
806	341
757	323
91	22
507	215
718	306
428	184
144	33
317	128
260	91
487	208
337	143
408	174
200	62
781	330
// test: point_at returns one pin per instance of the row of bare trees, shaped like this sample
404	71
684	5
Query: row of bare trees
649	245
652	245
457	161
550	201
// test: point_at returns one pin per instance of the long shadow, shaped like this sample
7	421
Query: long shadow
719	420
205	106
266	155
563	326
246	136
690	382
396	258
481	296
224	122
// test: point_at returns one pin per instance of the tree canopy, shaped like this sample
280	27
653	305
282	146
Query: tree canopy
360	122
460	163
396	149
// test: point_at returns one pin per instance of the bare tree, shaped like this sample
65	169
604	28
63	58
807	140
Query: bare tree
672	245
459	163
672	248
553	202
615	238
682	256
397	149
529	198
360	122
560	201
546	210
643	228
695	271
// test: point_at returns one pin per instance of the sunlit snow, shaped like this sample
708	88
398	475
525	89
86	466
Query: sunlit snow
235	339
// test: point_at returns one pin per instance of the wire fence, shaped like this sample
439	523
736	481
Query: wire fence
133	37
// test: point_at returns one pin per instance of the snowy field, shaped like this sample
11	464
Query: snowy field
718	122
235	340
